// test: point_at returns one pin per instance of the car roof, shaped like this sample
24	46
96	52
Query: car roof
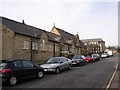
58	57
10	60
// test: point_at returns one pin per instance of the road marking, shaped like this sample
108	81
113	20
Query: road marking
110	81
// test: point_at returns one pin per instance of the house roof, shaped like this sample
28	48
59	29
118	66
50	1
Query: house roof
53	37
21	28
64	34
68	36
82	45
92	40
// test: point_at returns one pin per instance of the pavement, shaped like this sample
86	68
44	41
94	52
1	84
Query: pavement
116	80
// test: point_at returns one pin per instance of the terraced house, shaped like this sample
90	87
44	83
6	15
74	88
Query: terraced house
72	45
22	41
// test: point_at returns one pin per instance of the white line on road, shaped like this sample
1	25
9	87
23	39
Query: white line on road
113	75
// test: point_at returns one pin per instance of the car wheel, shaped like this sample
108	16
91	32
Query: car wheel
13	81
40	74
57	70
69	67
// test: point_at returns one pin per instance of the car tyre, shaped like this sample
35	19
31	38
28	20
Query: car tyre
12	81
69	67
40	74
57	70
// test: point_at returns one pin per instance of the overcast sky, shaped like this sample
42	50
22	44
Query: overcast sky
90	18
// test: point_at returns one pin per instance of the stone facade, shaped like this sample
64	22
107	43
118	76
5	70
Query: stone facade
71	42
21	41
94	45
0	41
7	43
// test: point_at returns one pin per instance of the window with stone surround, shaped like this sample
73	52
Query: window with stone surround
34	45
56	49
50	48
26	45
43	46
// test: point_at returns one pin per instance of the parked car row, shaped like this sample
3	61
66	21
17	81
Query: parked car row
14	70
57	64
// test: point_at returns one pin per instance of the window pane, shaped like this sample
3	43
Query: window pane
17	64
36	46
27	64
24	45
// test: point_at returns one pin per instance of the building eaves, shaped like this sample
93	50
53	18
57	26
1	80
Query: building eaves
21	28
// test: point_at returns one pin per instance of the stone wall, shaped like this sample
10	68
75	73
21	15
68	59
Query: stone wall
7	43
19	51
0	42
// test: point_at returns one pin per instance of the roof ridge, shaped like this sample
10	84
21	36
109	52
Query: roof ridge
22	23
65	31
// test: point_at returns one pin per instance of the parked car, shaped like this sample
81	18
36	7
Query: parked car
104	55
96	57
14	70
89	59
56	64
78	60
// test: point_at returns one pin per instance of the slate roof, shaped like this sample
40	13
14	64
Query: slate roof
21	28
53	37
64	34
82	45
68	36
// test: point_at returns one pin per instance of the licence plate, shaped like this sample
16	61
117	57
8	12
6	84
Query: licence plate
45	69
74	63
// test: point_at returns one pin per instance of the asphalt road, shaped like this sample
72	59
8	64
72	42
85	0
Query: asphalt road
93	75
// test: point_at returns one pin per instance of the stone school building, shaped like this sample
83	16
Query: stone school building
22	41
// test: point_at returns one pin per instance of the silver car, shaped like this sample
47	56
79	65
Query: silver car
56	64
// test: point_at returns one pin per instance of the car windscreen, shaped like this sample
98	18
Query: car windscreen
94	55
104	54
77	57
53	60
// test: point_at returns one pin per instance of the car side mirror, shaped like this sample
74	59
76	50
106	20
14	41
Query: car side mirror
35	65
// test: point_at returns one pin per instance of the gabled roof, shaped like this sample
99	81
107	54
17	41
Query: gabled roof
82	45
53	37
21	28
65	35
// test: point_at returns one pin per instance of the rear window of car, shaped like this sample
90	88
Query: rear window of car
53	60
2	65
17	64
78	57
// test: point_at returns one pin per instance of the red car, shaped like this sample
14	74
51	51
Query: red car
89	59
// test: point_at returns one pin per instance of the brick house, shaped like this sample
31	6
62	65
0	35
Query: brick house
22	41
